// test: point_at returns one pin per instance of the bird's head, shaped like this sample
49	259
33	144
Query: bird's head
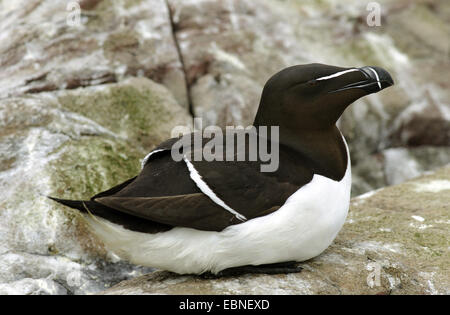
314	96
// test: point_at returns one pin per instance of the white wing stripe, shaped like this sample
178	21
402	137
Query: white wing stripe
203	186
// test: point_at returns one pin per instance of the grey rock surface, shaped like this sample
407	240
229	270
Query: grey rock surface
42	51
81	104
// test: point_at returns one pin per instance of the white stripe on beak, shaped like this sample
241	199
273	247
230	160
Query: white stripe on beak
376	75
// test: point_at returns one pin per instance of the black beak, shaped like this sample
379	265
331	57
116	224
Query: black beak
379	76
376	79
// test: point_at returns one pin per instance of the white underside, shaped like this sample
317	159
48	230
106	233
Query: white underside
301	229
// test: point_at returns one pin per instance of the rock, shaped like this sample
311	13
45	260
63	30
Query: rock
424	123
395	241
413	162
65	131
71	144
47	49
396	165
230	49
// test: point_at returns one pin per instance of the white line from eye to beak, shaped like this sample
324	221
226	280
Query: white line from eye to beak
376	75
337	74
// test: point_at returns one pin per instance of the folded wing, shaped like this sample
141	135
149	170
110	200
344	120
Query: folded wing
205	195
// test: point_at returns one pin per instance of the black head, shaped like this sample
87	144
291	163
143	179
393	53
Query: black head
314	96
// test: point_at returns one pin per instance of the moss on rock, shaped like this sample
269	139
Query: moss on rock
137	109
92	164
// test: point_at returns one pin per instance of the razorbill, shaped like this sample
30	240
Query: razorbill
192	217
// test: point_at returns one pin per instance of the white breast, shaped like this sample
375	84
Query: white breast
301	229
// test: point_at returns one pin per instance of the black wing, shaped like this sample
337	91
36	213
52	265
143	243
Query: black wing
164	191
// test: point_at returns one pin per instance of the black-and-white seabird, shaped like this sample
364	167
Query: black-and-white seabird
192	217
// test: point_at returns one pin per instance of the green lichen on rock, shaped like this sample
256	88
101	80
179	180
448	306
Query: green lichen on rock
92	164
84	168
102	16
415	215
131	3
137	109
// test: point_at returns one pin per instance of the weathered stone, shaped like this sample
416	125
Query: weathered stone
71	144
74	141
396	165
424	123
395	241
401	164
230	49
43	50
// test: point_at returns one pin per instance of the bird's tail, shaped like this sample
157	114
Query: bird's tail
80	205
127	221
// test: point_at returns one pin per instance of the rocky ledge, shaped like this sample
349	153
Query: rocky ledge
80	105
395	241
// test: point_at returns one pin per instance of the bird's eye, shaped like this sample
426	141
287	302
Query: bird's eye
312	82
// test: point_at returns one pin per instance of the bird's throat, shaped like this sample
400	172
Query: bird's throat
324	150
